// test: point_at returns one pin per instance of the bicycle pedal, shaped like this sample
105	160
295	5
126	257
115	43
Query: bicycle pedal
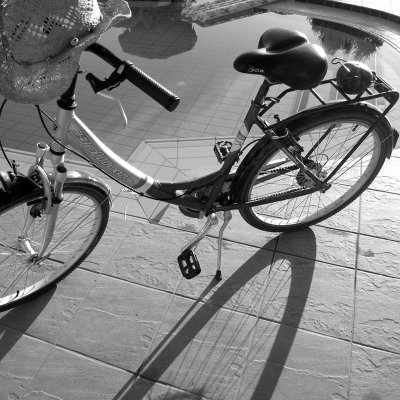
221	150
189	264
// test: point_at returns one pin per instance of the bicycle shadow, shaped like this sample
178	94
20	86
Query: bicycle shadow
15	322
192	322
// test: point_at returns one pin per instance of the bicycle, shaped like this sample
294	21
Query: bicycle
304	168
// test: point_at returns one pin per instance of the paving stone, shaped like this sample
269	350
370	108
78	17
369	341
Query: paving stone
116	323
379	214
112	239
388	178
238	230
211	352
374	374
377	315
346	219
144	389
300	243
245	272
20	358
286	363
48	315
322	244
68	375
200	348
148	255
380	256
309	294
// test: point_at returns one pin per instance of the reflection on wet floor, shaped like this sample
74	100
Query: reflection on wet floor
157	30
195	61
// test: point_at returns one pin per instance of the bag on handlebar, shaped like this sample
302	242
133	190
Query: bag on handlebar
42	40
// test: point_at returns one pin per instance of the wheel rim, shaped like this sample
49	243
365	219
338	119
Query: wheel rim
354	174
77	226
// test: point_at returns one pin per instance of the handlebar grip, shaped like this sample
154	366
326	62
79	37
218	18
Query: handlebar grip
151	87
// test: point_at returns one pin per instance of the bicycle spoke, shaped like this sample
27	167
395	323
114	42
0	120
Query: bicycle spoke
328	146
80	223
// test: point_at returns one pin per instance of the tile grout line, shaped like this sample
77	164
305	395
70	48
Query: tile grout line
149	352
55	344
258	318
353	314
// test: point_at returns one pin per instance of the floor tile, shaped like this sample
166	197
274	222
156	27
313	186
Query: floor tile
47	316
379	256
286	363
376	322
200	348
312	295
237	230
68	375
346	219
378	214
245	272
116	323
113	238
388	179
322	244
374	374
20	359
148	256
144	389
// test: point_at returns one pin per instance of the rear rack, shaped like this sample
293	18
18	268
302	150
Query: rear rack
379	89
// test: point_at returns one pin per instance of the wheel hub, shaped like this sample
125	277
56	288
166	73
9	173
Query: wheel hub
316	168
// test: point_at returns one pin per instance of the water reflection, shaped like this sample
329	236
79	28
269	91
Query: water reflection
335	37
213	95
156	30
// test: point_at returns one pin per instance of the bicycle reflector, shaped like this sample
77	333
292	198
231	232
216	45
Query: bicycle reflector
354	77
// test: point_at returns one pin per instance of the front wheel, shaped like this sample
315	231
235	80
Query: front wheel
82	219
326	139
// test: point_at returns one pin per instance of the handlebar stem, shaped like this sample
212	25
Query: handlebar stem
67	99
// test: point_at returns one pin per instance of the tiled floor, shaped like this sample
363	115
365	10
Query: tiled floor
308	315
389	6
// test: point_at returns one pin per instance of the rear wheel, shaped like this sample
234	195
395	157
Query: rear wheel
82	219
326	140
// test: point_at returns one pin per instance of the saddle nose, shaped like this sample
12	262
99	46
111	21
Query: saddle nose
285	56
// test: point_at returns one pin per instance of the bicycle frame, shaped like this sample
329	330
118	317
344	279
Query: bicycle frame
71	131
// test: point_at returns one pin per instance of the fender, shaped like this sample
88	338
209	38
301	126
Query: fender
21	186
263	145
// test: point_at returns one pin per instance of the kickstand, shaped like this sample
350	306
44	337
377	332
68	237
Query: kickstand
227	218
188	263
212	220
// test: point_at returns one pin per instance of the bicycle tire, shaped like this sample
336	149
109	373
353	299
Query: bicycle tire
303	211
82	219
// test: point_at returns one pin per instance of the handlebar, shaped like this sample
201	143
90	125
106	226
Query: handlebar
126	70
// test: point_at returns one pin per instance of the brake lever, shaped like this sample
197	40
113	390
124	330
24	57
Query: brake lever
107	95
103	88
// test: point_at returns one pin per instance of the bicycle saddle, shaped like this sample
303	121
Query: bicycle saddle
285	56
